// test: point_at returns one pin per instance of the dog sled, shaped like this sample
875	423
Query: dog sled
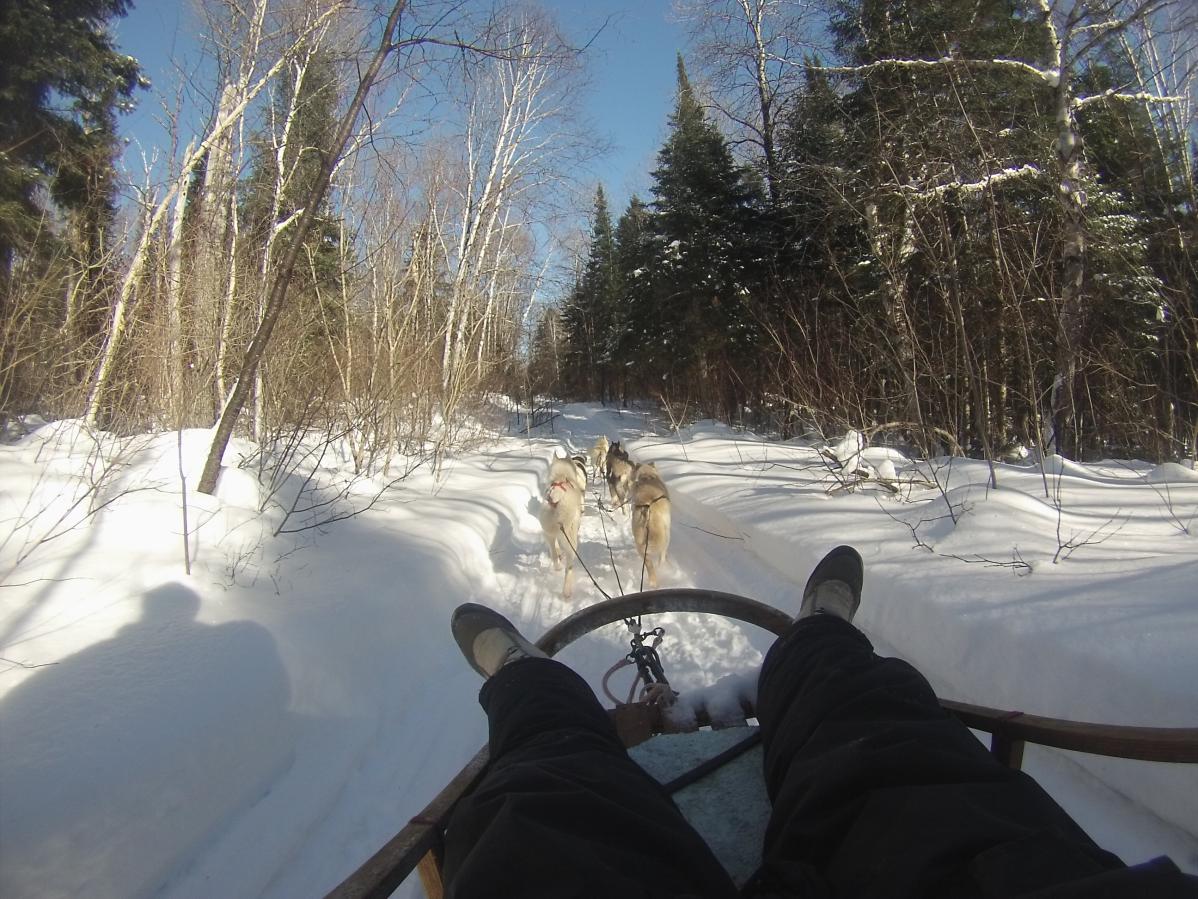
729	738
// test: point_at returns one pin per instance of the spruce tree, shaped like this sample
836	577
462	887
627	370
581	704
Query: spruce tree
590	312
62	81
705	213
62	85
921	270
599	289
1133	207
635	255
814	315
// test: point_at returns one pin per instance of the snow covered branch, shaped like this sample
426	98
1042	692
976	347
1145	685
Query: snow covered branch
973	186
1050	77
1116	94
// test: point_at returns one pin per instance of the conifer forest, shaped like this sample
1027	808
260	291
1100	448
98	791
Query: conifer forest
968	225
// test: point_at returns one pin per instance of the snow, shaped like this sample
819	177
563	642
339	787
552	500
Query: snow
261	726
847	450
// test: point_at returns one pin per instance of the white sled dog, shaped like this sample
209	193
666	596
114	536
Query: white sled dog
580	471
650	519
561	513
598	455
620	472
570	468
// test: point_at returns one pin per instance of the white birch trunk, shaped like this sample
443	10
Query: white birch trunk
174	310
521	84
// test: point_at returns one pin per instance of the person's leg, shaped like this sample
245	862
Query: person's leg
877	791
562	810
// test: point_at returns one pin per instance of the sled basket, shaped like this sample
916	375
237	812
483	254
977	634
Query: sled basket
418	846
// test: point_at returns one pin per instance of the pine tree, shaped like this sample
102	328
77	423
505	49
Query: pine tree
579	326
62	85
1131	205
62	81
590	312
599	288
814	316
705	215
635	254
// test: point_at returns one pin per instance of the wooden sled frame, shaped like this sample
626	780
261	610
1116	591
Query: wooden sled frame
418	846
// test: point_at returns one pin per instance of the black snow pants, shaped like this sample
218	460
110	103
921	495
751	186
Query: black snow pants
876	792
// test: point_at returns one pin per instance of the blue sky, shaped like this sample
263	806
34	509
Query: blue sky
632	66
634	73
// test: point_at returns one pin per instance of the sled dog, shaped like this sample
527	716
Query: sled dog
580	466
650	519
571	468
598	455
619	475
561	513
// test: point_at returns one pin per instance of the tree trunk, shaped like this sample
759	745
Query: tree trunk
1071	315
893	260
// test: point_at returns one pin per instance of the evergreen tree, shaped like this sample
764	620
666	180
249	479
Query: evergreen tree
62	81
599	288
894	259
1134	210
633	313
579	325
591	309
62	85
705	217
814	314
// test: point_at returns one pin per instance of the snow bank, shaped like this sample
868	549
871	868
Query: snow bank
1172	473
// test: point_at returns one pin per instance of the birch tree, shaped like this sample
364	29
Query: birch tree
516	107
213	268
277	298
747	49
223	124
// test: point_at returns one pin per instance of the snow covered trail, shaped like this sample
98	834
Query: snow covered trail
261	727
498	494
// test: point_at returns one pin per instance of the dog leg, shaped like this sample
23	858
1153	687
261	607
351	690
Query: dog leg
570	538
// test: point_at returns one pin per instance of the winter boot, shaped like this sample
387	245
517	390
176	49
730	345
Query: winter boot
488	640
834	587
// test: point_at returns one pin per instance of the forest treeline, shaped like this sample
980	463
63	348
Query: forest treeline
967	224
970	223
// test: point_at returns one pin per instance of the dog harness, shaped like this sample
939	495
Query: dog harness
564	485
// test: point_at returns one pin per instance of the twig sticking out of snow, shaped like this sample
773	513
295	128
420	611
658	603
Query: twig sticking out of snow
1017	563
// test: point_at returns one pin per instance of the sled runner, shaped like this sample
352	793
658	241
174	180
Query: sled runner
728	738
